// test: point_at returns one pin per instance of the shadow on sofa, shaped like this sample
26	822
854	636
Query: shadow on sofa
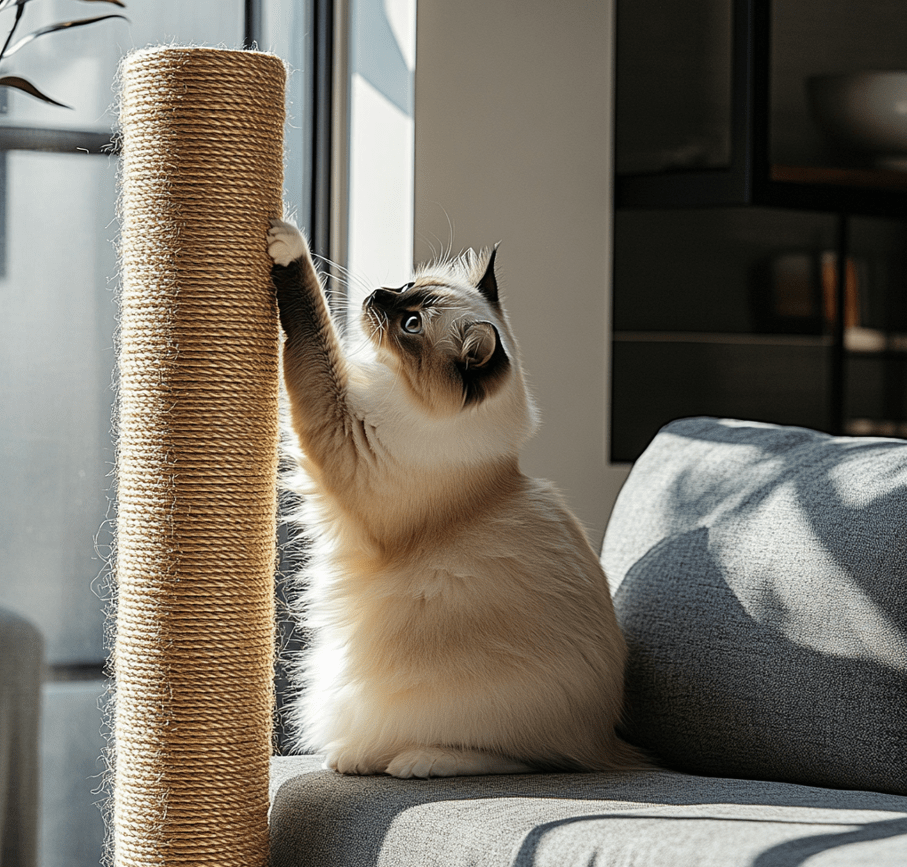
787	854
555	820
759	720
760	575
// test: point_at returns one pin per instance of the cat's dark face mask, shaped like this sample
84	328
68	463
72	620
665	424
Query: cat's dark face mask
443	340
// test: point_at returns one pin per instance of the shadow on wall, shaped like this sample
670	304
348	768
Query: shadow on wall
378	57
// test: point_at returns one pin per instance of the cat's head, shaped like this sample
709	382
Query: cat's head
447	337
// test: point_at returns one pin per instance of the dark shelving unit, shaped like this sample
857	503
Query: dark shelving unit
749	178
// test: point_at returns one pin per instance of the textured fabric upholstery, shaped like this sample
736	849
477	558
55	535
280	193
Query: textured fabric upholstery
21	673
760	575
660	819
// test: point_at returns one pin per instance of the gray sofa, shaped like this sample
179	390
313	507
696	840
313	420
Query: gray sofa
760	575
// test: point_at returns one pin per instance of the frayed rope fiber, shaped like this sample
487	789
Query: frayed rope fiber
201	175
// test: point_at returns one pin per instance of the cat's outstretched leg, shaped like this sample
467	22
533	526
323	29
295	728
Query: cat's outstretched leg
451	762
314	368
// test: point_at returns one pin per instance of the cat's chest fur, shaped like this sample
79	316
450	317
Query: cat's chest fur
403	440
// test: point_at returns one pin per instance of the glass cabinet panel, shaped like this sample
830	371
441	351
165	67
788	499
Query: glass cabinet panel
673	86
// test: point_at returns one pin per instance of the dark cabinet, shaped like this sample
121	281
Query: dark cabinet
759	266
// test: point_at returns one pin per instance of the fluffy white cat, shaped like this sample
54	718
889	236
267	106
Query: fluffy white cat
460	622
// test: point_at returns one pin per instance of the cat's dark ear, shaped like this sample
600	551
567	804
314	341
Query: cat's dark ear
483	362
480	343
488	284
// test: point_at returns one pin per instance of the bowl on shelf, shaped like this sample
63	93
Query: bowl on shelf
864	112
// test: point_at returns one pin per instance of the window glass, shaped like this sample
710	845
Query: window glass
72	771
283	27
58	276
78	66
56	363
381	143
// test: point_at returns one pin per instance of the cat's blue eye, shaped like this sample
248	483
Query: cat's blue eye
412	324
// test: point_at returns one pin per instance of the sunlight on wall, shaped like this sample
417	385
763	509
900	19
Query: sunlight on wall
381	130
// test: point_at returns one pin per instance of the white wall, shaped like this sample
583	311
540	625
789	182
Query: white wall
513	144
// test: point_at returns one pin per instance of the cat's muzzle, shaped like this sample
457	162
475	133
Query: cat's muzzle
385	299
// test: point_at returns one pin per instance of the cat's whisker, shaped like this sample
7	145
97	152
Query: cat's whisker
430	244
340	272
450	230
353	283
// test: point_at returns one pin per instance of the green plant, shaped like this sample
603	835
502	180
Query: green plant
8	50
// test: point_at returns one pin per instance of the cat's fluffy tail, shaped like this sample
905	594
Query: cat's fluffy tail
620	756
626	757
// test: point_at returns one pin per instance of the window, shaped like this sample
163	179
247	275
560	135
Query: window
57	276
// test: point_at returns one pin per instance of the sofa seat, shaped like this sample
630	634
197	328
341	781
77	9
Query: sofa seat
658	819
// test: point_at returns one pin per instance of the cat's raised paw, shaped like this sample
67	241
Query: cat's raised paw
285	243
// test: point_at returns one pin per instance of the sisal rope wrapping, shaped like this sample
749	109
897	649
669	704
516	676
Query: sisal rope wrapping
201	174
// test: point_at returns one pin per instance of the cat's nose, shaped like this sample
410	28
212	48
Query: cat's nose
382	298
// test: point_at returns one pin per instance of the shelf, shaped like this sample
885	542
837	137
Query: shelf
858	341
848	178
782	379
654	380
727	146
722	338
750	178
865	192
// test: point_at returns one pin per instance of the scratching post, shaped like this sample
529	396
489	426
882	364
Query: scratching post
201	174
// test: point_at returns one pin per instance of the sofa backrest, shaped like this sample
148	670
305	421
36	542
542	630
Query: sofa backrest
760	576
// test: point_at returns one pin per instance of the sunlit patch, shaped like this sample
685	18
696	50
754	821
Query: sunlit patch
825	610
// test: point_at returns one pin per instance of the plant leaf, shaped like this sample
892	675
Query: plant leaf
5	4
53	28
29	88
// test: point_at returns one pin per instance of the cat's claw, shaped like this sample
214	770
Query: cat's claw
286	243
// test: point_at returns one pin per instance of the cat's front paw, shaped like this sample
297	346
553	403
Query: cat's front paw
347	761
286	243
452	761
424	762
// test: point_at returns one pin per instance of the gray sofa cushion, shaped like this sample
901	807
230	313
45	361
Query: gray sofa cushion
659	819
760	575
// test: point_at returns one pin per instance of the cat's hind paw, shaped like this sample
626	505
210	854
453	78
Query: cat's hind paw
286	243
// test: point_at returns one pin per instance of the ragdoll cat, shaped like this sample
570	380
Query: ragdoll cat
460	621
